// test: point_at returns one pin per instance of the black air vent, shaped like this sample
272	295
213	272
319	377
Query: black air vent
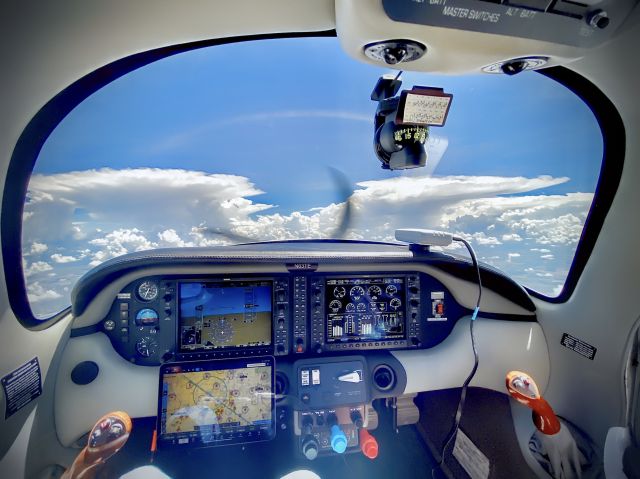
84	373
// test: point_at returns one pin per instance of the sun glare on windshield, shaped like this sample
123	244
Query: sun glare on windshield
242	141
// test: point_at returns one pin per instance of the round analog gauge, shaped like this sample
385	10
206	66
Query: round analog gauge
335	305
339	291
146	346
391	289
356	292
362	307
374	290
350	308
395	303
148	291
147	317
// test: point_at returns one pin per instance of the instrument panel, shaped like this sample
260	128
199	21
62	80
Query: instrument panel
158	319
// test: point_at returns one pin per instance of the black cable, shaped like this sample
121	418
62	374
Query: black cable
463	394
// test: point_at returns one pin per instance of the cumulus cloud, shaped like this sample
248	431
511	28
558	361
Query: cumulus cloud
37	248
37	293
102	214
171	238
119	242
37	267
512	237
58	258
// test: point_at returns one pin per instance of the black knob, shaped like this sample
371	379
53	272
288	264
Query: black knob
307	423
318	348
332	419
280	348
414	302
320	420
413	290
310	447
416	342
299	341
356	418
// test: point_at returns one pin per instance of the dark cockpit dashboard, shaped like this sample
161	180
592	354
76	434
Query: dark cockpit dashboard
320	328
349	299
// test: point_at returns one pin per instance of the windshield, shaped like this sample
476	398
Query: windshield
256	141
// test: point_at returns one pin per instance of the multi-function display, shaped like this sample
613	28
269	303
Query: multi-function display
216	402
230	314
365	308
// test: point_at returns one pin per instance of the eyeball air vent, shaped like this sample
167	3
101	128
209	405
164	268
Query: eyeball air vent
392	52
384	378
516	65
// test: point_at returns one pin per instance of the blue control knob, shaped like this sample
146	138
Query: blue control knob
338	439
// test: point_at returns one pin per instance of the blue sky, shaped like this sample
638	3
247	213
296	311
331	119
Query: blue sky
278	114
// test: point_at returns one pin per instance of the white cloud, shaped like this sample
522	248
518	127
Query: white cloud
58	258
512	237
547	256
172	239
37	248
119	242
37	293
145	198
138	209
37	267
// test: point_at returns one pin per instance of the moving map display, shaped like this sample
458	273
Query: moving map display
225	315
216	402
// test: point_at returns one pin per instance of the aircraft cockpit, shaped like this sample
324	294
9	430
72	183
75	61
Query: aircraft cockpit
384	238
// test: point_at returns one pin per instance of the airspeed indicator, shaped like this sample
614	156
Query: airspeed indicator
148	291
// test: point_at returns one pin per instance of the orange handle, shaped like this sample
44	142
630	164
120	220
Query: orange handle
523	389
107	437
368	444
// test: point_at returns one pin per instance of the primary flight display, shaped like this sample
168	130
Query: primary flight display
225	315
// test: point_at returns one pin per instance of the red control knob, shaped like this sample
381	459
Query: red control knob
368	444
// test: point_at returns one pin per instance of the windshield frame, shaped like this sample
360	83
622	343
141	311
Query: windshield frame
35	134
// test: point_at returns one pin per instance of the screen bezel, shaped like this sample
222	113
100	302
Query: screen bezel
228	282
361	340
164	442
